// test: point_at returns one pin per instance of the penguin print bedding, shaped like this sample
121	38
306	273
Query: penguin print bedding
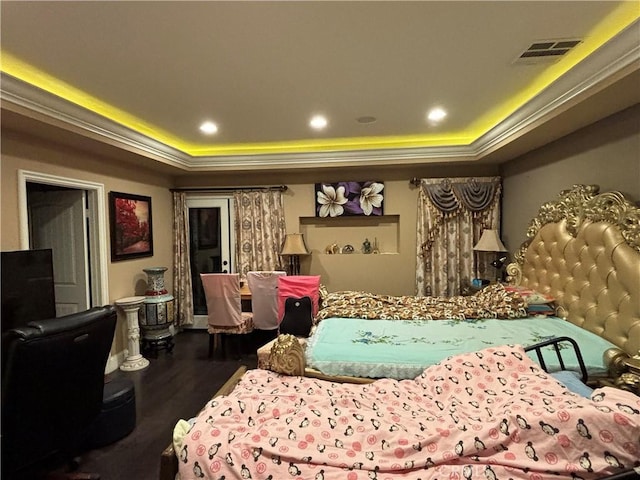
490	414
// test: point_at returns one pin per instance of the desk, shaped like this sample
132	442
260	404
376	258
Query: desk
245	297
245	293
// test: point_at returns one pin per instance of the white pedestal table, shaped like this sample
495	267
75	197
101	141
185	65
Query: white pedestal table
134	360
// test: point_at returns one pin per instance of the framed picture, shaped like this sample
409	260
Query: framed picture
131	227
349	198
208	227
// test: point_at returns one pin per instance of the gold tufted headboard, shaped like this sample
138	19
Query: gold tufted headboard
584	250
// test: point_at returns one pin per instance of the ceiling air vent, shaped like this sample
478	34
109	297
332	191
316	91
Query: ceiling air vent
546	51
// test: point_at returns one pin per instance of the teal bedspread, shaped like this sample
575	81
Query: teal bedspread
402	349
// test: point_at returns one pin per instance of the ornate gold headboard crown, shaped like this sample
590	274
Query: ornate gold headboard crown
584	250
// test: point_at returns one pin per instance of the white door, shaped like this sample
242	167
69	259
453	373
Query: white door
57	221
211	245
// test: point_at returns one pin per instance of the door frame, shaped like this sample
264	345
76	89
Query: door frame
97	225
199	200
72	289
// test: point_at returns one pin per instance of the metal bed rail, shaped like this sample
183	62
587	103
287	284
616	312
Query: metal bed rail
555	342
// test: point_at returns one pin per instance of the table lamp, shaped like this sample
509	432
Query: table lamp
490	242
293	247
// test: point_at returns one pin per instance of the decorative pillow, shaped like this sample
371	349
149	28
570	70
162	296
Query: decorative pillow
323	294
530	296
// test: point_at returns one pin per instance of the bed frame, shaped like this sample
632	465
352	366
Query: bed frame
584	250
169	460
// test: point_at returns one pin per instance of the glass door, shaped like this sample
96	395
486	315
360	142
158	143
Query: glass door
211	240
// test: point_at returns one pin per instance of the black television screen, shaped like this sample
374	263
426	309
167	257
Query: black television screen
27	287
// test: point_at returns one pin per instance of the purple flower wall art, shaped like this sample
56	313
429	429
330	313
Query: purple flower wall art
349	198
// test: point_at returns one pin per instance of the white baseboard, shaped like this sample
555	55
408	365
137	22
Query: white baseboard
199	323
114	361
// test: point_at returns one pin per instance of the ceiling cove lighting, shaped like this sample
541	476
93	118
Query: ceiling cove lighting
318	122
619	19
209	128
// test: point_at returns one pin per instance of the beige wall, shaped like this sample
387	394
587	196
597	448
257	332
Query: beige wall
393	271
390	272
125	278
606	153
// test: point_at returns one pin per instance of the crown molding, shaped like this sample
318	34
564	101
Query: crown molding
616	58
23	98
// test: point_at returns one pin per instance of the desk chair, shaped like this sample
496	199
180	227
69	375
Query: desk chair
264	303
224	309
298	286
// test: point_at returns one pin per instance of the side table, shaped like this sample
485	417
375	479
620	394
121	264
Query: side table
134	360
152	342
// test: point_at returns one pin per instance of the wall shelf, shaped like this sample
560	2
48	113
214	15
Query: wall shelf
320	232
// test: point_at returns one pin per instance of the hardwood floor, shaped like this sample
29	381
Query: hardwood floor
173	386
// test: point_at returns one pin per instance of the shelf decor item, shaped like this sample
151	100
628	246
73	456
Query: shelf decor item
376	248
332	249
347	249
349	199
158	313
366	246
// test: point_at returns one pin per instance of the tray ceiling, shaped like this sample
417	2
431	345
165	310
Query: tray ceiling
142	76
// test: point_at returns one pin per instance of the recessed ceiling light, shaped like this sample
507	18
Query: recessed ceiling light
318	122
209	128
436	114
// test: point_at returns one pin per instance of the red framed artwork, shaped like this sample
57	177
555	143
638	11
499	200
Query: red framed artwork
131	226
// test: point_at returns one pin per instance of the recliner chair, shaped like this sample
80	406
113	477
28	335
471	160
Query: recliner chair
52	387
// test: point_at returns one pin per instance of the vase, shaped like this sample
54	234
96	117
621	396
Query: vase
158	313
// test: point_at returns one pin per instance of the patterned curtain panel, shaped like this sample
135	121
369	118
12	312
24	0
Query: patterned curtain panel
260	230
182	291
452	212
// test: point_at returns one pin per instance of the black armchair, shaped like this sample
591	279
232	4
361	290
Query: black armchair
52	387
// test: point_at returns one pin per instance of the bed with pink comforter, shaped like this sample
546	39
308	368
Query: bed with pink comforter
491	414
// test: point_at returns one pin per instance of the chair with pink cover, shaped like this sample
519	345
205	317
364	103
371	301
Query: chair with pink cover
264	303
298	286
224	308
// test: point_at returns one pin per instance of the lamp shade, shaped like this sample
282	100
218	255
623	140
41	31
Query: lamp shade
489	242
294	245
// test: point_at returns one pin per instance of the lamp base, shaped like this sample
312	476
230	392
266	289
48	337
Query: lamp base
294	265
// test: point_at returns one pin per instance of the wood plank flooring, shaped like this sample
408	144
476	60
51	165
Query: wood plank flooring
173	386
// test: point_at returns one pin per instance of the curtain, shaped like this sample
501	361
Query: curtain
452	212
182	290
260	230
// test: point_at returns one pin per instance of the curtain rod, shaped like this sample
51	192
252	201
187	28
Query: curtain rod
282	188
415	181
